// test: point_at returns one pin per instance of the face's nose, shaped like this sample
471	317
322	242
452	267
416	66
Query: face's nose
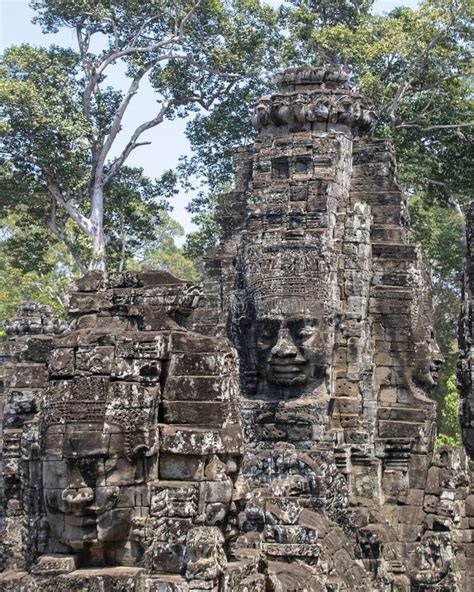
77	495
285	346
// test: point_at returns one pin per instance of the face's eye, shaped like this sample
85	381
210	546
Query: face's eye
302	330
266	333
307	332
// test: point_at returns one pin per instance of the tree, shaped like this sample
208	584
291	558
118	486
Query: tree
448	418
202	210
61	121
133	203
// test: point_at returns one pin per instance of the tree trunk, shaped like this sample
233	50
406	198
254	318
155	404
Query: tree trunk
98	260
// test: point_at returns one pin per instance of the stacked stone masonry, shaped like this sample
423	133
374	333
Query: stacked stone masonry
466	340
270	431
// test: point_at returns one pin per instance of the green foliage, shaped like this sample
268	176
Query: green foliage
37	269
60	119
448	414
134	208
162	253
202	208
43	129
16	287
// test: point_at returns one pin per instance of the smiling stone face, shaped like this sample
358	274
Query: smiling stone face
429	360
87	492
291	352
96	434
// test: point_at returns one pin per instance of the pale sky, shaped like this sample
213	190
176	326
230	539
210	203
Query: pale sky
168	139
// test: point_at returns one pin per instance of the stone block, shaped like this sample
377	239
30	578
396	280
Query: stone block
345	388
61	362
94	360
29	376
432	481
165	583
470	506
48	565
153	346
174	498
87	302
199	441
291	550
182	467
201	364
218	491
195	413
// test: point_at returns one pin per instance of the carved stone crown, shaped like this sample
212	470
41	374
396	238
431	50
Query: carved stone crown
314	98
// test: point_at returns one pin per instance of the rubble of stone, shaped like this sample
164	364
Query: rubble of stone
271	431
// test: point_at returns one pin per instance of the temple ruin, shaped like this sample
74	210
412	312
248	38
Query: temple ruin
268	431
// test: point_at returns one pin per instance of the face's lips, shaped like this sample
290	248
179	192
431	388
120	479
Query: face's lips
285	365
285	369
287	374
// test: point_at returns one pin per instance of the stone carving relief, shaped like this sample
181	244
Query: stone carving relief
143	450
136	440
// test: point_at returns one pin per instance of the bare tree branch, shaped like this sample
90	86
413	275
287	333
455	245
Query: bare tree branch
133	143
117	120
431	128
54	190
134	49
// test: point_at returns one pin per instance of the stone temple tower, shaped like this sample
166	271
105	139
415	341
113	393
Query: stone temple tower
324	298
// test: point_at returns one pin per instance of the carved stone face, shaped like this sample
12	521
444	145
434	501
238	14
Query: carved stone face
429	360
90	488
291	352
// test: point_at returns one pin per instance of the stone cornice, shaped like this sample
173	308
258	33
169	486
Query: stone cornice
314	96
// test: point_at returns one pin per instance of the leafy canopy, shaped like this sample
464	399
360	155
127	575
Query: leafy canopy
62	117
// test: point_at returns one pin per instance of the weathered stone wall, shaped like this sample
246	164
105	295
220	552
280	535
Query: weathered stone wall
125	452
324	299
24	377
466	333
145	451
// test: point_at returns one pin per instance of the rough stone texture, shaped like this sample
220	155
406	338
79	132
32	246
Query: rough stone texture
121	441
142	451
324	299
466	335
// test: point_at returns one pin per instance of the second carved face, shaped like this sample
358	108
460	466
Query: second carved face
90	490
